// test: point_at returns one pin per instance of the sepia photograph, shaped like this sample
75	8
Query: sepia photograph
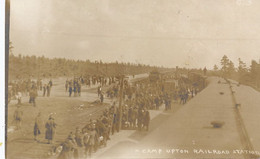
132	79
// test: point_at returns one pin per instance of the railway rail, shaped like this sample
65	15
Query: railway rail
241	128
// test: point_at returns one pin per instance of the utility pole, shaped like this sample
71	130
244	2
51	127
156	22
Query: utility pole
120	100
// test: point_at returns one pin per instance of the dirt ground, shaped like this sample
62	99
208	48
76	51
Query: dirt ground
68	112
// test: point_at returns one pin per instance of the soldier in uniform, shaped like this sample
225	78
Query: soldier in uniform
86	137
75	89
106	122
70	89
79	137
101	131
92	140
79	141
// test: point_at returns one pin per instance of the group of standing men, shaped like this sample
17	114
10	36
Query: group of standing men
96	133
73	86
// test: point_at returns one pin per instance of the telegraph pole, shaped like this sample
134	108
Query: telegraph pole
120	100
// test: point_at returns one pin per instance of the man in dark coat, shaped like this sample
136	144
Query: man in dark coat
70	89
44	89
147	120
50	129
48	88
36	129
101	97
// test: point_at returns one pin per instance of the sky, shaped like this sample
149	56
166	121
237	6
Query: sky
169	33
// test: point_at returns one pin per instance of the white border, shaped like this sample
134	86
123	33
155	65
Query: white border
2	78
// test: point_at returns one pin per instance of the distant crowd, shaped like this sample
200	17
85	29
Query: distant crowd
19	88
73	86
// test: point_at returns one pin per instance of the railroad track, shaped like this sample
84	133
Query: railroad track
243	134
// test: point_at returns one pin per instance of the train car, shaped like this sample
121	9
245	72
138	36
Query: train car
170	85
197	80
154	76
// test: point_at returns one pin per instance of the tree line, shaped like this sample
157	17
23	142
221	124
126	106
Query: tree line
243	74
42	67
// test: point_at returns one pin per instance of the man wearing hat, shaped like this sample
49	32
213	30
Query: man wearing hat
68	148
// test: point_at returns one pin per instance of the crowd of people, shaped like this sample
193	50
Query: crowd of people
146	95
137	99
96	133
74	85
98	79
23	88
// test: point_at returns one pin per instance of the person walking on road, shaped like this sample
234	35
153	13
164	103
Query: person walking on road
99	91
19	98
70	89
18	117
50	129
44	90
79	89
66	85
101	97
48	90
36	129
33	95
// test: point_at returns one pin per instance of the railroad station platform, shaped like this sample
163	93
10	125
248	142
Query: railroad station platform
188	132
